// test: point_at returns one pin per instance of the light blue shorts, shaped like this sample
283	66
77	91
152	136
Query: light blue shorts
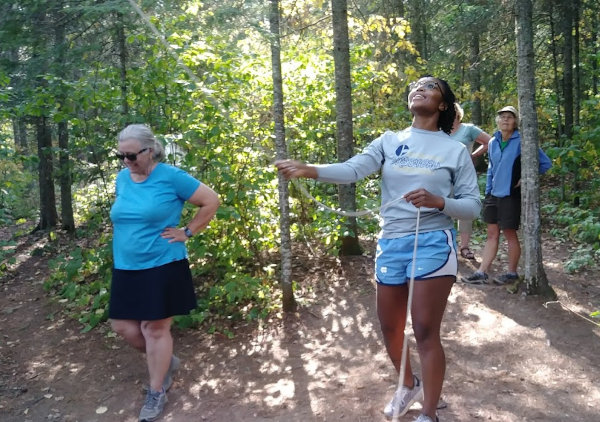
436	257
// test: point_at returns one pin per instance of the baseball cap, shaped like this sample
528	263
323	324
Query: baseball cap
509	108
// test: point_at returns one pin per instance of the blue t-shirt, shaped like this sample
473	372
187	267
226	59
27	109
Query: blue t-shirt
466	134
143	210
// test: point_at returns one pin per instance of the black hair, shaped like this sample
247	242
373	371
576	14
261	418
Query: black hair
447	116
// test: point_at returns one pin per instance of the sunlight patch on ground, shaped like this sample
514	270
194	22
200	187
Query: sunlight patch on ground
491	325
279	392
554	265
42	366
75	367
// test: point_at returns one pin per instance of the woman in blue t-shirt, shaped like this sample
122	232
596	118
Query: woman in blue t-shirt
467	134
151	279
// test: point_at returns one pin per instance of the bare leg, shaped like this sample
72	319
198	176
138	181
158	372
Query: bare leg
130	330
429	303
465	227
159	349
391	310
465	239
514	249
491	247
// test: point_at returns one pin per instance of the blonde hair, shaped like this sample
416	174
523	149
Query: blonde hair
144	135
460	113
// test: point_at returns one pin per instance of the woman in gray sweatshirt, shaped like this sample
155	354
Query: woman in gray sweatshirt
422	168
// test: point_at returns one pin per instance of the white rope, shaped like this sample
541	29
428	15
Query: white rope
396	409
571	310
338	211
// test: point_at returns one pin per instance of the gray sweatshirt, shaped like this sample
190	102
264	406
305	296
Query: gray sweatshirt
409	160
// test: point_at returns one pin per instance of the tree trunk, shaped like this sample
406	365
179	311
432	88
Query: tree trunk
289	303
567	47
393	7
535	277
48	214
65	179
595	42
577	69
474	76
20	134
122	65
475	79
419	27
64	161
559	127
343	108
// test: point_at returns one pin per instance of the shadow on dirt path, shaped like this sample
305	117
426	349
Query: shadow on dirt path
509	357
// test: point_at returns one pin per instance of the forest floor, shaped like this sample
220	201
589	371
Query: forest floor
510	357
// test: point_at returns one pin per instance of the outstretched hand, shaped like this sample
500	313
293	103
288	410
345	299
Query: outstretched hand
292	169
423	198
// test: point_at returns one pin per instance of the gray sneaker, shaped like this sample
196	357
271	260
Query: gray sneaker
475	278
173	366
153	406
425	418
506	278
403	399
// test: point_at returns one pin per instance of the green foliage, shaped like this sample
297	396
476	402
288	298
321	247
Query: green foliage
6	256
577	160
578	225
81	280
17	187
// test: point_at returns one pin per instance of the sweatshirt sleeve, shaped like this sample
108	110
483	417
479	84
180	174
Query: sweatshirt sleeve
360	166
545	162
466	203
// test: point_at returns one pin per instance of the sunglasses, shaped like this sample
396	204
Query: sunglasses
426	85
130	156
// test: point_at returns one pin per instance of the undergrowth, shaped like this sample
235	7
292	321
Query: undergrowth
581	226
81	278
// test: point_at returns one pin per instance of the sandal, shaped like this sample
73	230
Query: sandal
467	253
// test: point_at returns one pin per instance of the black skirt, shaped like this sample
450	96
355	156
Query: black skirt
154	293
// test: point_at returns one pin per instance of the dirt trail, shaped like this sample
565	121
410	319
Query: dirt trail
509	357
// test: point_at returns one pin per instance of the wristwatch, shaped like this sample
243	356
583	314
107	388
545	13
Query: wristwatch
188	232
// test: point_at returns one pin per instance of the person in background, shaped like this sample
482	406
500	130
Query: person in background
502	204
151	279
421	168
467	134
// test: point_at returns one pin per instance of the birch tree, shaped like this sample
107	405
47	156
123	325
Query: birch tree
289	303
535	277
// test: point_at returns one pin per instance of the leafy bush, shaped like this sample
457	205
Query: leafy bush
581	226
81	279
